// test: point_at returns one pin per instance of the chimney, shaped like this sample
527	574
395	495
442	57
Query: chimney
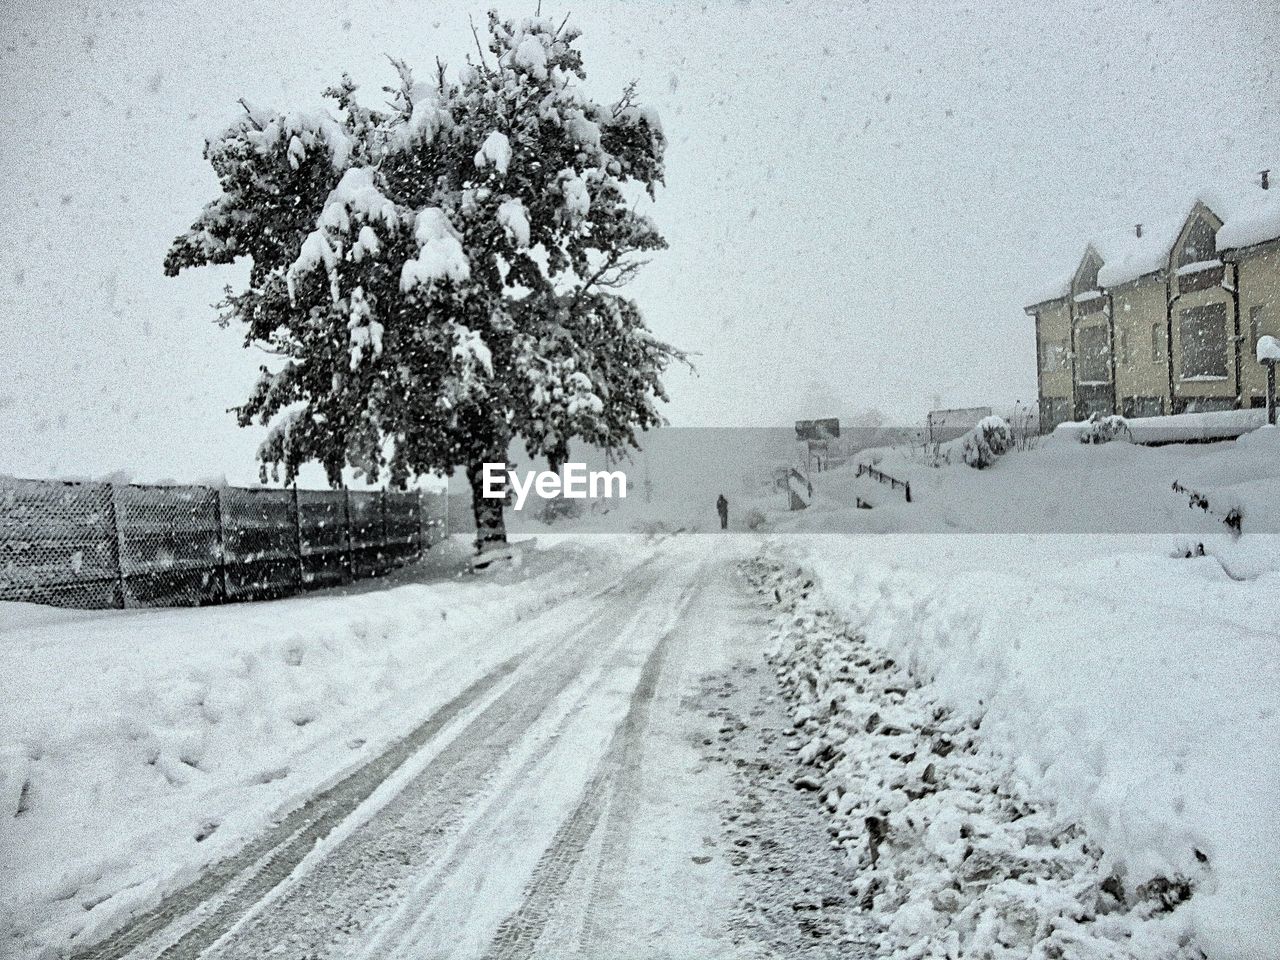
1137	229
1266	179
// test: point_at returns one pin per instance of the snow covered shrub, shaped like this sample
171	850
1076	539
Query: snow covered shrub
991	438
755	519
1099	429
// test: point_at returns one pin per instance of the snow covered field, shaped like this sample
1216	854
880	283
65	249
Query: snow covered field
1133	694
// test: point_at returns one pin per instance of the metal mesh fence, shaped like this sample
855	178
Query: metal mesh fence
402	528
96	545
170	549
323	537
58	544
364	516
433	518
260	543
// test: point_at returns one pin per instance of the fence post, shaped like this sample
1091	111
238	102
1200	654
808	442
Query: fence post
117	541
908	486
382	552
346	514
222	546
417	494
297	536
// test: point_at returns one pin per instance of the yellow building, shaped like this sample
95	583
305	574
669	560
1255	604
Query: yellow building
1165	318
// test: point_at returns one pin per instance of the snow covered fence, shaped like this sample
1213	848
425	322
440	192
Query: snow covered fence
882	477
1233	517
98	545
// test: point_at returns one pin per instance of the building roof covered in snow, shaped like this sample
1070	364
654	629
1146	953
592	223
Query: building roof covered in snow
1249	215
1251	223
1126	255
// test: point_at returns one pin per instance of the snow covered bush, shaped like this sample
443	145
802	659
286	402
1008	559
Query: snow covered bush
439	275
755	519
1100	429
989	439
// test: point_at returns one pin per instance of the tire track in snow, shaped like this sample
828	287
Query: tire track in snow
518	935
189	919
334	905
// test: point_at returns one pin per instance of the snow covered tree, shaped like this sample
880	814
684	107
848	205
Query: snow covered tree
440	276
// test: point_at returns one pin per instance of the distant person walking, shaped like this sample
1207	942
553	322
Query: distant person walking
722	508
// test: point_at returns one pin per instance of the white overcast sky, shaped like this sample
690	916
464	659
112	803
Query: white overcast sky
861	197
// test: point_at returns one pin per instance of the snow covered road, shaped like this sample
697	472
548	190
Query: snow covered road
557	806
702	746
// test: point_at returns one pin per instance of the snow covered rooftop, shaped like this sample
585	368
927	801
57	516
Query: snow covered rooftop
1250	215
1251	222
1055	289
1127	256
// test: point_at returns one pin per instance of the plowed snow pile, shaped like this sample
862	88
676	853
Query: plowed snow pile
1071	758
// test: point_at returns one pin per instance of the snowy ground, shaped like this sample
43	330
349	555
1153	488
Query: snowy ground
1059	487
1114	685
1033	783
190	730
1001	745
554	723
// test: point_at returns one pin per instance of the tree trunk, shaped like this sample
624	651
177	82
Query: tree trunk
491	527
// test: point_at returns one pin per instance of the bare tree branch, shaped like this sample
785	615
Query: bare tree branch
479	49
252	118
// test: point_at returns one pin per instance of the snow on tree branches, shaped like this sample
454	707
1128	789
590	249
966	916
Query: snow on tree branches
440	275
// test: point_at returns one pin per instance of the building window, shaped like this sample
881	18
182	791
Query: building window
1203	335
1093	361
1157	343
1206	405
1125	357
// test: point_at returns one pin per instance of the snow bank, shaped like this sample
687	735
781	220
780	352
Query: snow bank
184	732
1059	486
1136	694
1182	427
